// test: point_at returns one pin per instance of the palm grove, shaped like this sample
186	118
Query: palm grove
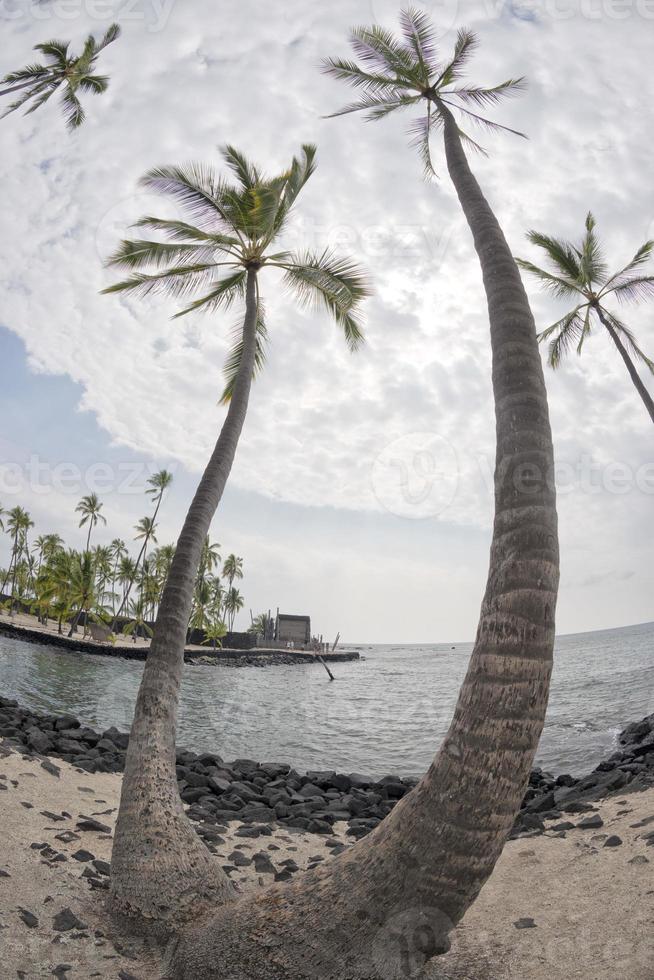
104	583
419	871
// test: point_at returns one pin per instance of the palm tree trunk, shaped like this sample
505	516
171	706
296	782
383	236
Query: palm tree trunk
631	368
160	870
387	905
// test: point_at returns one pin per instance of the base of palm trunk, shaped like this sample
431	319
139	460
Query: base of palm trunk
166	878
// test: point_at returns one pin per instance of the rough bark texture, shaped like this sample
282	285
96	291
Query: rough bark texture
386	906
161	873
631	368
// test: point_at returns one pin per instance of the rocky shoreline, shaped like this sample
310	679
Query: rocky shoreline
260	794
225	657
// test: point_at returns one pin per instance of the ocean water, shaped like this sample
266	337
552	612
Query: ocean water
386	713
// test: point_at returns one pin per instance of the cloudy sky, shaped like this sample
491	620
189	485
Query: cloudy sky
362	490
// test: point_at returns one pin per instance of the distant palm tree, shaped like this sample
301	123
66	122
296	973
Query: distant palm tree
224	248
37	82
89	507
581	275
233	568
158	483
233	603
18	525
137	624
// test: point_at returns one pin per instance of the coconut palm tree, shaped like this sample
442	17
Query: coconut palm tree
89	507
233	603
233	568
137	624
158	483
580	274
83	595
404	886
18	525
223	253
36	83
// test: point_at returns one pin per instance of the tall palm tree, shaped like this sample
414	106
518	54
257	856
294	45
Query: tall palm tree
158	483
18	525
72	73
414	876
580	274
90	509
233	568
223	254
233	603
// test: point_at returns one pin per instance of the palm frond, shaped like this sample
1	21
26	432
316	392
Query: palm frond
586	329
176	281
349	71
246	174
195	186
592	264
560	253
28	74
73	110
57	51
465	46
94	83
378	48
225	293
420	37
110	35
420	132
337	283
487	124
490	96
642	256
556	285
377	105
235	355
178	231
296	177
632	289
141	253
570	331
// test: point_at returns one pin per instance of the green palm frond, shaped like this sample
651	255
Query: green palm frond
585	330
485	97
27	74
178	231
641	257
570	332
592	265
633	289
195	187
627	335
348	71
110	35
377	105
335	282
235	355
176	281
561	254
420	37
483	122
97	84
224	294
139	254
245	172
556	285
73	110
296	177
466	44
420	132
57	51
377	48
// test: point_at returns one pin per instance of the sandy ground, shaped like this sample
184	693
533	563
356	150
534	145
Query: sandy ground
592	906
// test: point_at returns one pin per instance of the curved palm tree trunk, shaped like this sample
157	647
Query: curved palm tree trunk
631	368
160	870
386	906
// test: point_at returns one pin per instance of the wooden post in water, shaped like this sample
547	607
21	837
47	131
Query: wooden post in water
331	676
338	636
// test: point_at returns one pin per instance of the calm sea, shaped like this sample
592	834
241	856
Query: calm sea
384	714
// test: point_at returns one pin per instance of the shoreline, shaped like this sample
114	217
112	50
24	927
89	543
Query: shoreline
275	793
561	905
193	655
